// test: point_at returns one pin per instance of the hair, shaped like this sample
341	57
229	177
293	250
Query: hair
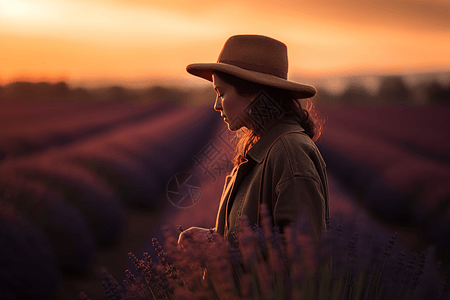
306	115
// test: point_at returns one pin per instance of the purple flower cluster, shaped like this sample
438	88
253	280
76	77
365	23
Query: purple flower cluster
269	265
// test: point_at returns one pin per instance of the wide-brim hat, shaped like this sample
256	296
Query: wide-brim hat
254	58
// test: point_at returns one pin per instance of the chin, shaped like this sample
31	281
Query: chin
231	128
234	127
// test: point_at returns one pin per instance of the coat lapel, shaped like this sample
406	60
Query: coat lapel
220	219
237	176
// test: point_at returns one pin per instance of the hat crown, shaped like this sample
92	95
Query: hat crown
256	53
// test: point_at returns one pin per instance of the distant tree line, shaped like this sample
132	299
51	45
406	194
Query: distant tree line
392	90
23	90
29	90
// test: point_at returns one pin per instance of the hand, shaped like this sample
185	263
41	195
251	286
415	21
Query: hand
193	234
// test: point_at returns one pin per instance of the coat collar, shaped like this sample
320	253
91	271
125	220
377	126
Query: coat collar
260	148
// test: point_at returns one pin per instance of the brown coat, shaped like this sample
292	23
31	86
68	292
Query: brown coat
294	180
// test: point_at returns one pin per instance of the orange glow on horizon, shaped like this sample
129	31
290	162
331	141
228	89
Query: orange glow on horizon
84	42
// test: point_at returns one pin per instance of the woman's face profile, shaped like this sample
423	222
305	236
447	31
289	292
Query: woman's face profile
230	104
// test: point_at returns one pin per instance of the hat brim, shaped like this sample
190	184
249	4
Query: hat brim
206	70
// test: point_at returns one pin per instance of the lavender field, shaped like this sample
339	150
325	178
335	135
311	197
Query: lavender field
397	159
69	171
83	182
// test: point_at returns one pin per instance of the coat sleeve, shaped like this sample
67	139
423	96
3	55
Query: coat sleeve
300	185
301	197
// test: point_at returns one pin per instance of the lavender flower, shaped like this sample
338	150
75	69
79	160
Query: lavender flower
439	265
83	296
246	242
264	266
130	277
339	230
328	222
391	244
408	273
446	284
111	286
352	251
419	271
399	265
265	280
352	256
165	260
410	268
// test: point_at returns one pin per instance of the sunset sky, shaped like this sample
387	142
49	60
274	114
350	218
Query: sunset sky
135	42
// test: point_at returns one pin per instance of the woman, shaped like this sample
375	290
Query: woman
276	161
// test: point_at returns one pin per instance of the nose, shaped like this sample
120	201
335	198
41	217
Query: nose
218	104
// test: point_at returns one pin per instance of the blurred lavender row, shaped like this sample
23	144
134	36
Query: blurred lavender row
396	159
74	195
67	124
27	266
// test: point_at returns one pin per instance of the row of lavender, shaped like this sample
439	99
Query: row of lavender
397	159
33	126
61	201
362	249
